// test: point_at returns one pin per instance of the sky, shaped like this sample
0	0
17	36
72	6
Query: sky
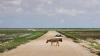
49	13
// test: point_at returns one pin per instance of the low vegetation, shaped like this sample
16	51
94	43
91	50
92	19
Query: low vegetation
72	35
82	35
9	44
87	37
96	46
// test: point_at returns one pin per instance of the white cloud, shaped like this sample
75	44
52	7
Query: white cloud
50	2
15	2
50	7
19	10
92	2
88	3
47	1
70	12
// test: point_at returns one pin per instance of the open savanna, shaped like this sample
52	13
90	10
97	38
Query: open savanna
11	38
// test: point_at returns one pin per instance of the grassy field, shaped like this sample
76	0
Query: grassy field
10	39
87	37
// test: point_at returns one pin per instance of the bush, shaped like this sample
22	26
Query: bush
2	49
10	45
96	46
77	41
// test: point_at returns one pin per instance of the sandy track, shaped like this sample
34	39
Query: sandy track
38	47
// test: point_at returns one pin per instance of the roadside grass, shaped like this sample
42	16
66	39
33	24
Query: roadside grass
11	31
11	44
88	37
72	35
96	46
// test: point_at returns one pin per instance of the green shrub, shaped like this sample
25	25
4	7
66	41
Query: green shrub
2	49
77	41
96	46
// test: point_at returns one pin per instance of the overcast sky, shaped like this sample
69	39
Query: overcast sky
50	13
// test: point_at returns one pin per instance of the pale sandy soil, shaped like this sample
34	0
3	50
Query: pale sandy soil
38	47
98	41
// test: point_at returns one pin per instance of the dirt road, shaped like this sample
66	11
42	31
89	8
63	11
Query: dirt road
38	47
